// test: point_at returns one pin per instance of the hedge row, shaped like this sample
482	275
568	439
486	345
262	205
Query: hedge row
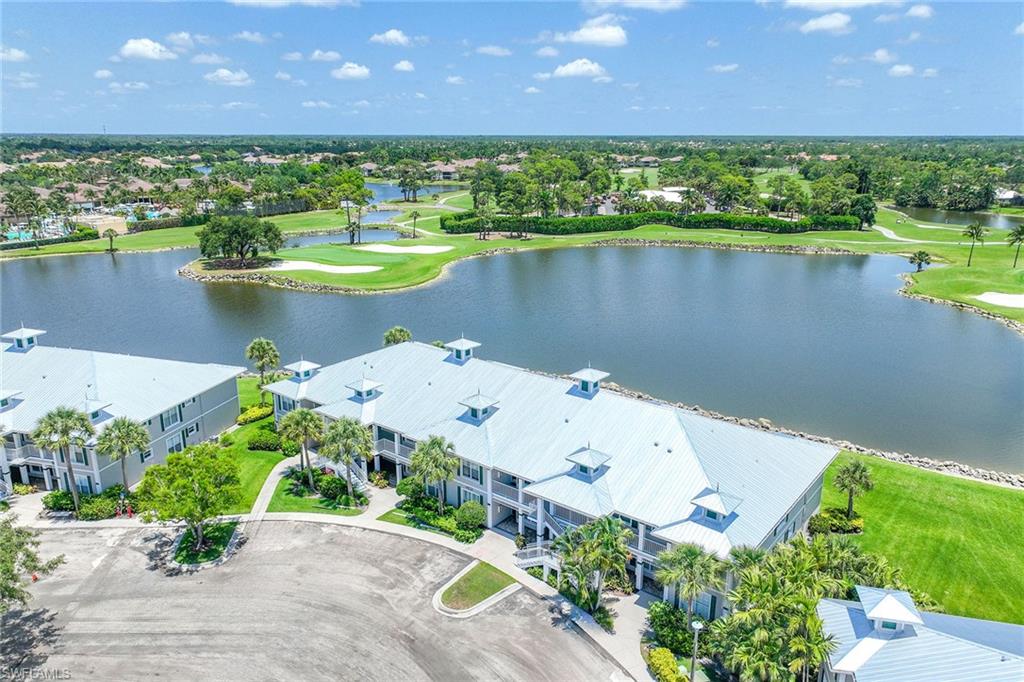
464	223
164	223
80	235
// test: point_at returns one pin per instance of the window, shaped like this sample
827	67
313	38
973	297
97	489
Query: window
3	402
81	458
84	484
713	515
585	385
170	418
472	471
584	469
145	456
286	404
468	495
474	413
175	443
888	625
19	343
458	354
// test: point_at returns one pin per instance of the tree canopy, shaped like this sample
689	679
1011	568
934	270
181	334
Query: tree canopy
242	237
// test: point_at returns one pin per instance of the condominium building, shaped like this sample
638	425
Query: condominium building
544	453
180	403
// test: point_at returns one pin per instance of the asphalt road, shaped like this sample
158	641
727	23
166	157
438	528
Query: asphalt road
300	601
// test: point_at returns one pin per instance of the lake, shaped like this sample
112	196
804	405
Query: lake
818	343
383	191
940	216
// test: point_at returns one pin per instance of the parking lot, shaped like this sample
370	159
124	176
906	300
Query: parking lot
299	601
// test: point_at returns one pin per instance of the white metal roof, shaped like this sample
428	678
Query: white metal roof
589	374
123	385
22	333
894	605
589	457
363	384
662	456
461	344
478	401
717	501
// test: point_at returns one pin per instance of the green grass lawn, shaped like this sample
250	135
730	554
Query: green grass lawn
956	539
285	500
482	581
254	465
215	540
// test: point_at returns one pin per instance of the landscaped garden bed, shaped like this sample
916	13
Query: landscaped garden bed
293	494
479	583
216	538
417	510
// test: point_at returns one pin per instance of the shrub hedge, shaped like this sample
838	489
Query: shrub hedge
80	235
833	520
254	414
670	630
90	507
468	222
164	223
664	667
470	515
264	440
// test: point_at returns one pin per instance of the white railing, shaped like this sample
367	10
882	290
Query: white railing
634	541
536	555
386	446
509	492
405	451
654	547
569	516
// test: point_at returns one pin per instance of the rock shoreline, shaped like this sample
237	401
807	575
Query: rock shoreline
942	466
908	282
728	246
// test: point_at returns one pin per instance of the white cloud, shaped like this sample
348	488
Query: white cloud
845	82
1019	30
603	31
420	95
235	106
351	71
835	23
361	104
317	104
455	80
103	74
921	12
580	68
930	73
652	5
912	37
547	51
250	37
324	56
841	59
712	42
13	54
532	90
901	70
292	56
882	56
828	5
494	50
181	41
144	48
404	65
283	76
127	87
229	78
392	36
887	18
603	79
23	80
724	68
198	106
274	4
210	58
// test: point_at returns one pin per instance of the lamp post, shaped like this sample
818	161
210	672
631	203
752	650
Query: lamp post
697	627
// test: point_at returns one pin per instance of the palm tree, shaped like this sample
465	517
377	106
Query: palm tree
743	556
415	216
62	429
853	478
434	460
692	569
263	353
302	425
976	233
920	259
1016	238
346	441
120	439
110	234
605	551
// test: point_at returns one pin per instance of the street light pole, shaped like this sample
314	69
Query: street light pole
697	627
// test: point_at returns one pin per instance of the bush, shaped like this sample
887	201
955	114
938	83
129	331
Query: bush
24	489
669	626
226	440
264	440
412	489
470	515
664	666
289	448
79	235
605	619
59	500
254	414
379	479
164	223
332	487
620	583
520	541
358	499
833	520
97	507
467	222
424	511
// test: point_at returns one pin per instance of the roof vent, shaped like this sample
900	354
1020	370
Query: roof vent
24	338
588	380
303	369
365	389
462	349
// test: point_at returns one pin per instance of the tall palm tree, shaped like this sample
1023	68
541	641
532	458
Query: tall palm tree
110	234
1016	238
346	441
920	259
302	425
976	233
853	478
122	438
263	353
435	461
415	215
605	551
62	429
692	569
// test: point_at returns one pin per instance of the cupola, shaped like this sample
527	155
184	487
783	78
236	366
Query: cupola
589	461
303	369
94	407
24	338
588	380
461	349
8	397
890	611
365	389
479	406
714	504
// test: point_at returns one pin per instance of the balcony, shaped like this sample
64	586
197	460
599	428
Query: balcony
569	516
509	492
654	547
384	446
634	542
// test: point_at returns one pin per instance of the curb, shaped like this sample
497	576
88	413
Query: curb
475	608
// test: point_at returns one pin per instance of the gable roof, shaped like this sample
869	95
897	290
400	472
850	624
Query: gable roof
893	605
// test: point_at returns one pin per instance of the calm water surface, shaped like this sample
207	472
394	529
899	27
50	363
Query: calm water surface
938	215
822	344
383	191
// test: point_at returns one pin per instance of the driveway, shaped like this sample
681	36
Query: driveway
300	601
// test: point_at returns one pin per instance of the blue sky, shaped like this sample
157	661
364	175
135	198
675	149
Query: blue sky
799	67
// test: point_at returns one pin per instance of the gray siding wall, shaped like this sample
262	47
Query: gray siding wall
797	516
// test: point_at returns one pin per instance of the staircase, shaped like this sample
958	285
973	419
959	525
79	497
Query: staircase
537	555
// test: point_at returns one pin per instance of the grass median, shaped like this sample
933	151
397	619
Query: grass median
479	583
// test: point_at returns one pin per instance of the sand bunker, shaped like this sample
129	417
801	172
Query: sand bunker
391	248
334	269
1004	300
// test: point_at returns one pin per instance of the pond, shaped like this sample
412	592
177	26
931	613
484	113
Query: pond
941	216
818	343
383	191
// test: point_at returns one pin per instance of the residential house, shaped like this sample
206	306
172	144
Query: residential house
544	453
180	403
369	168
1008	197
882	636
649	161
443	171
